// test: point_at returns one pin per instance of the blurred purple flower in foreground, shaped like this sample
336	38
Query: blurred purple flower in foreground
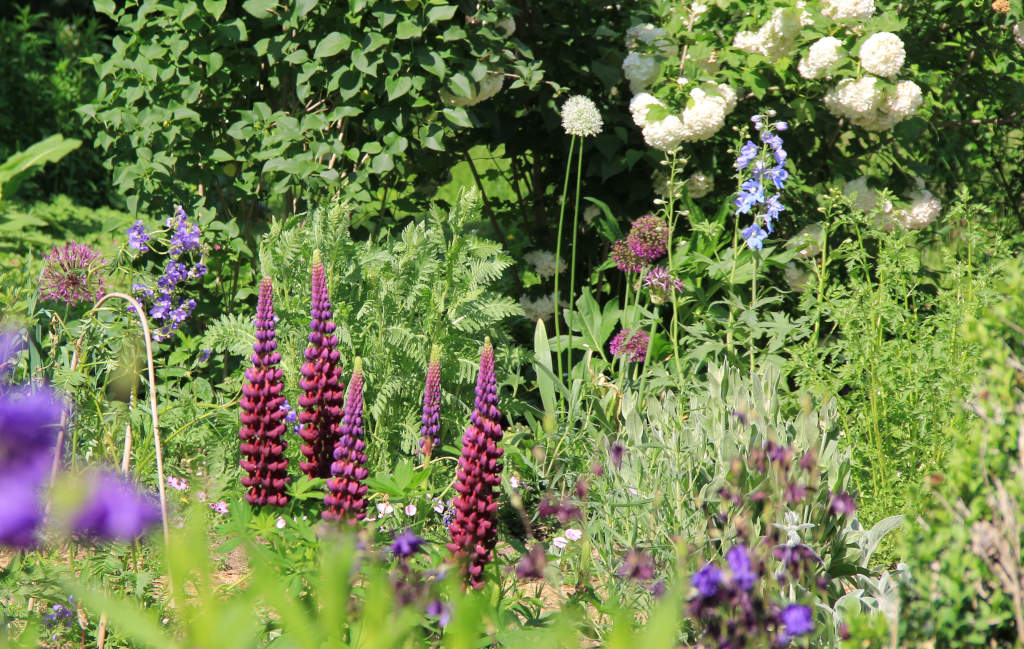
440	610
115	510
406	544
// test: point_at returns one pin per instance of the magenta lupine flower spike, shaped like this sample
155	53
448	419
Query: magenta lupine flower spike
473	531
72	274
346	497
430	431
321	381
262	419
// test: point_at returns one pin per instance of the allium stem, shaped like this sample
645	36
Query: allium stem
474	529
321	381
430	431
262	418
558	252
346	497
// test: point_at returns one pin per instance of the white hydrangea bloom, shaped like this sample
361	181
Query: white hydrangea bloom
883	54
544	262
648	36
852	98
638	106
699	184
581	117
924	209
641	71
721	93
776	38
1018	34
848	9
664	135
864	198
821	57
797	278
905	100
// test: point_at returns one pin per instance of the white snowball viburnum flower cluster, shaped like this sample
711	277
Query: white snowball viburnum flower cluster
776	38
647	47
923	210
581	117
821	57
545	263
883	54
867	104
541	308
699	185
703	116
865	199
1018	34
840	10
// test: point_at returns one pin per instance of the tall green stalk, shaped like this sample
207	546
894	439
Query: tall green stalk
572	255
558	254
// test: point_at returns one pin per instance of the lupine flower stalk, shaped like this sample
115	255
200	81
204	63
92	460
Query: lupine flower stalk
346	497
321	381
473	531
430	431
262	418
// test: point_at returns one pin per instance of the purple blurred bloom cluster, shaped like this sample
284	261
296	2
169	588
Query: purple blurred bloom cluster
170	303
30	417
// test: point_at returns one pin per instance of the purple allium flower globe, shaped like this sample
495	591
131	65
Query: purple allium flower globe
406	544
625	259
324	391
473	532
72	274
629	344
346	497
430	431
263	426
115	510
648	237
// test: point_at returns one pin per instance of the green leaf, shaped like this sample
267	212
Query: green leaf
25	163
331	45
397	87
382	163
407	29
105	7
458	117
445	12
542	357
215	7
259	8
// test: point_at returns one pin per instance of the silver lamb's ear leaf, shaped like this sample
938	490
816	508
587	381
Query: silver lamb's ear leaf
874	536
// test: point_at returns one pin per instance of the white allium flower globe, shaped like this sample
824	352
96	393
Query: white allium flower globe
638	106
699	185
821	58
848	9
581	117
664	135
883	54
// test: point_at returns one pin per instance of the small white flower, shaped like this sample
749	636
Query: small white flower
280	523
385	508
573	534
633	491
513	482
883	54
410	510
581	117
560	542
438	507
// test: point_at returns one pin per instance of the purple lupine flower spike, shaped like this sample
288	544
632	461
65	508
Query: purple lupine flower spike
430	431
321	380
262	419
346	497
473	532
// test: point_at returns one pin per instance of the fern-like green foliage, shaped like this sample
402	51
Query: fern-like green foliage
394	295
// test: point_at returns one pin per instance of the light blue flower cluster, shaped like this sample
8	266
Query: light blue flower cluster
767	172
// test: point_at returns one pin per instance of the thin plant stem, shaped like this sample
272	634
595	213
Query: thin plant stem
572	254
558	253
753	303
671	218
